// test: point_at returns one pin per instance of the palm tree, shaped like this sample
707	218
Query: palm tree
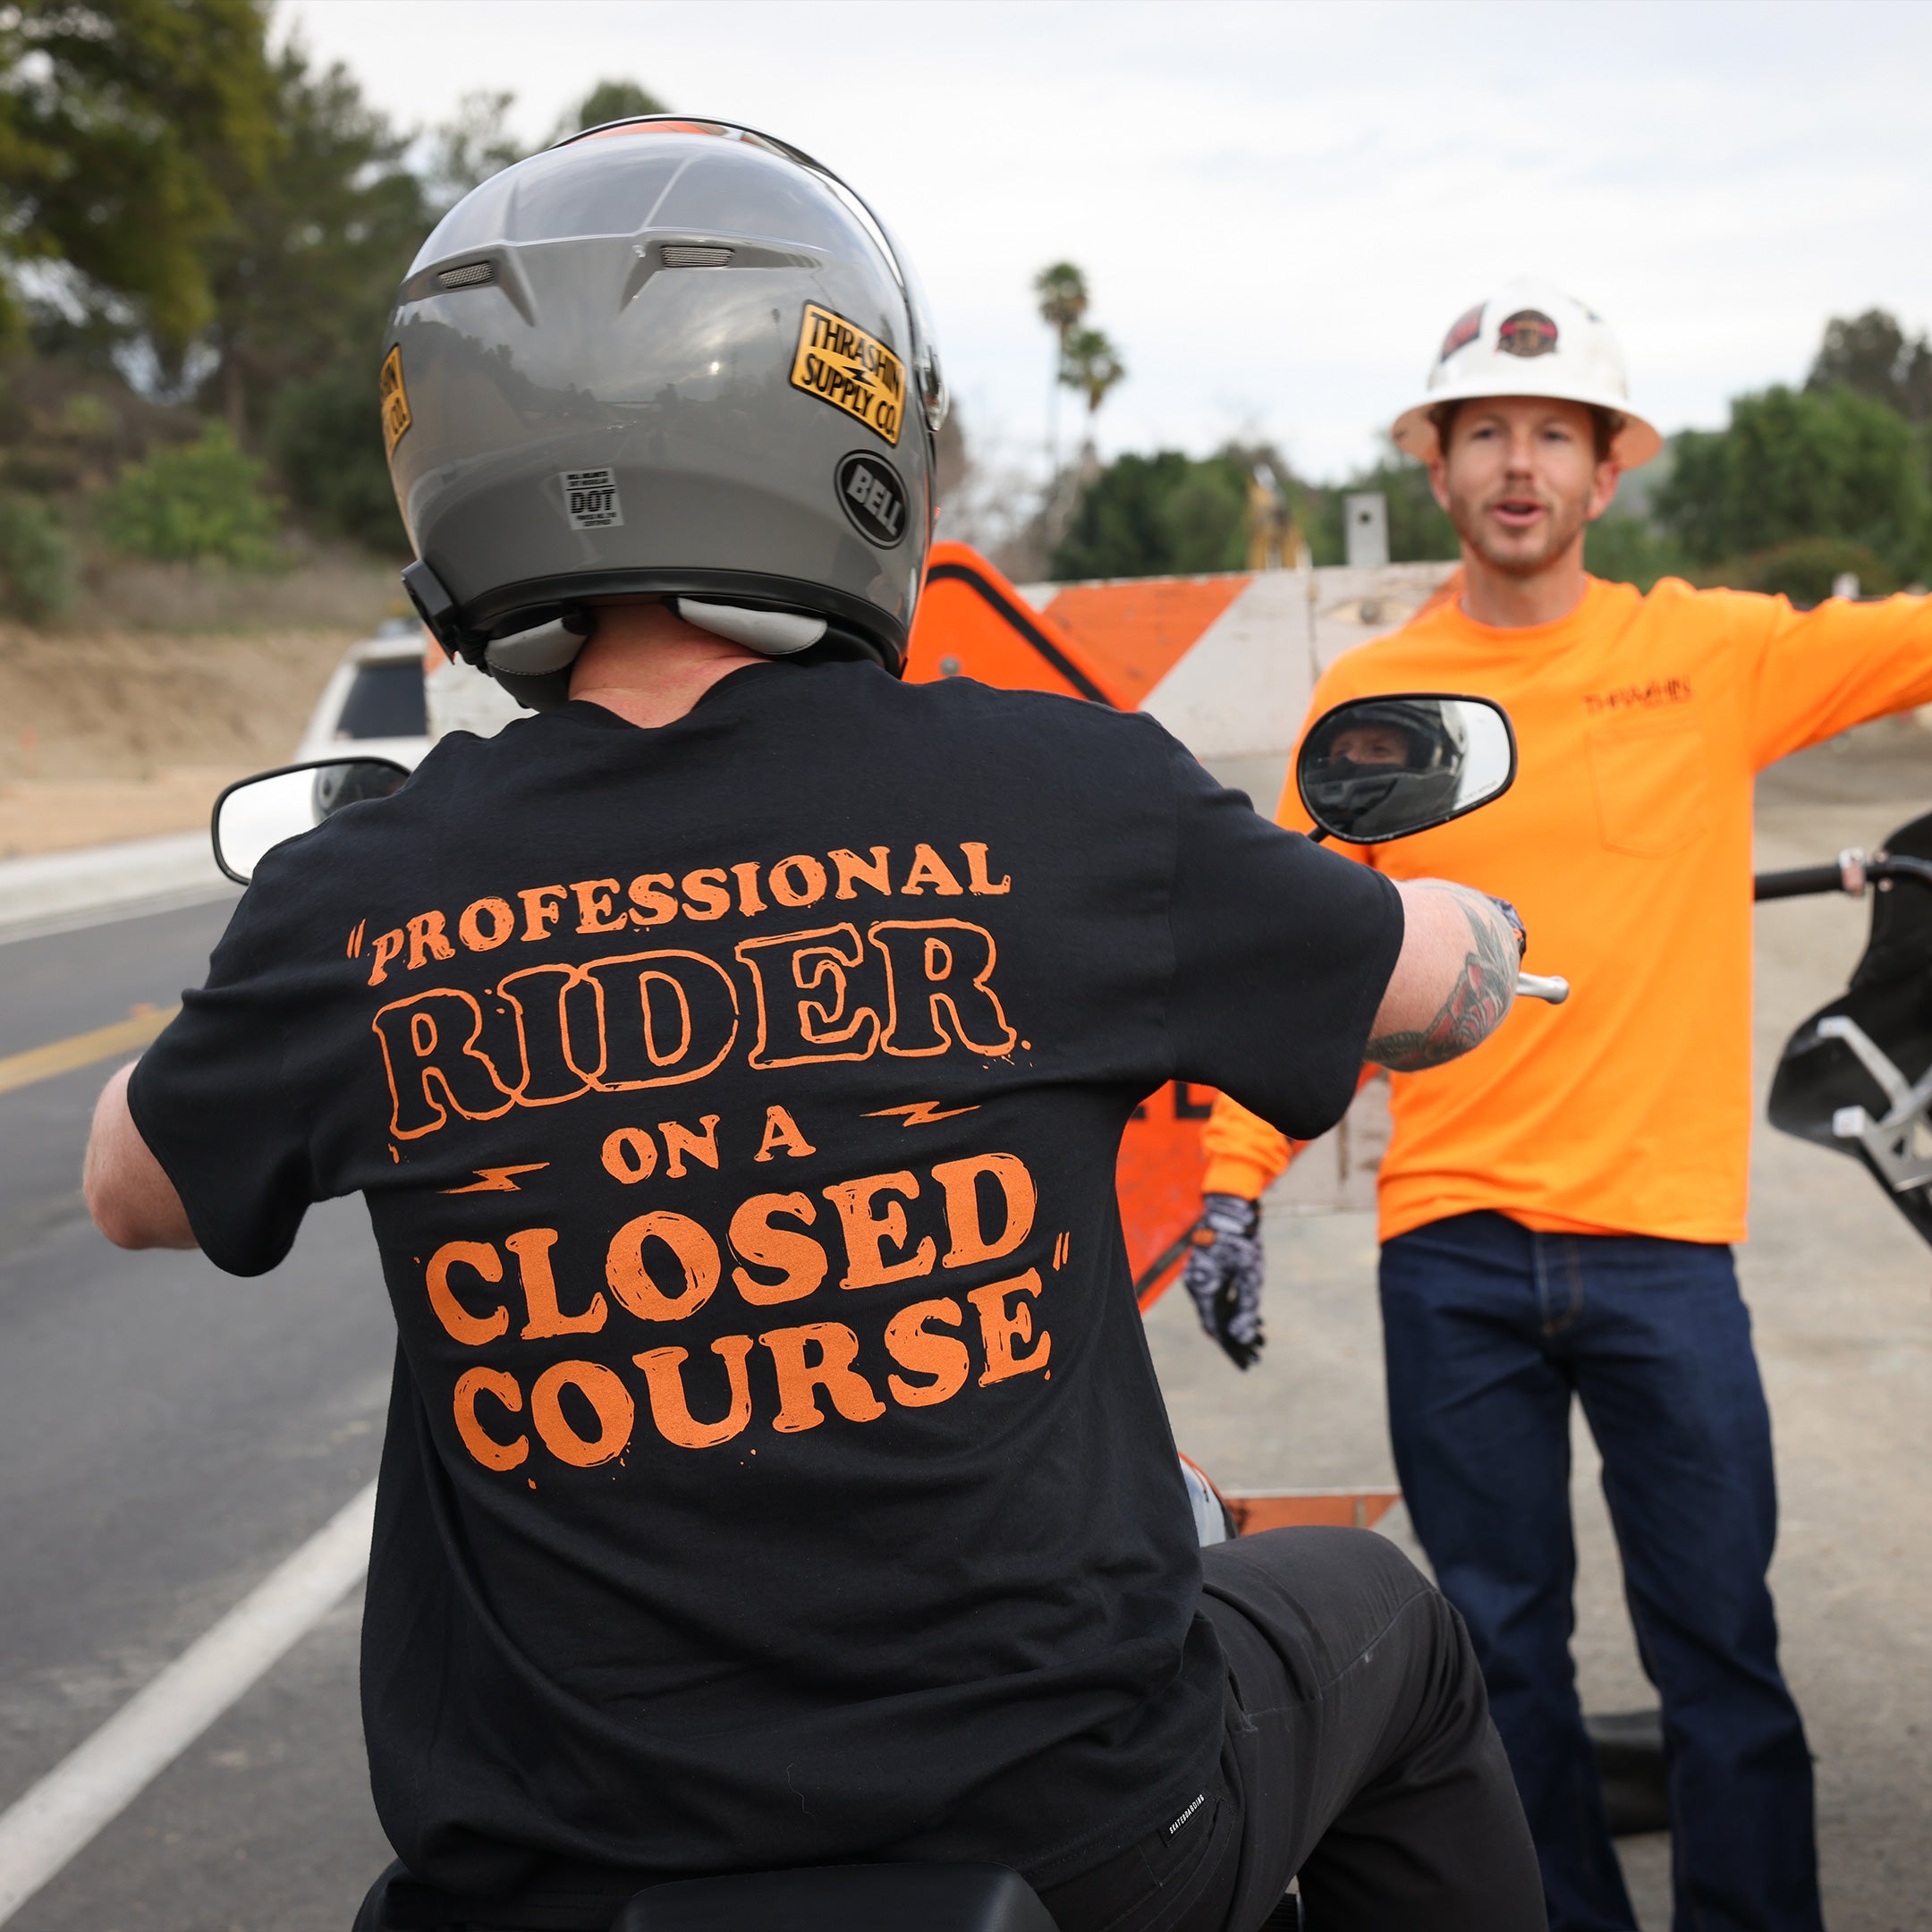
1062	289
1091	363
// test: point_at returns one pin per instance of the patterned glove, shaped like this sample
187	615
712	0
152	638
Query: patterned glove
1223	1275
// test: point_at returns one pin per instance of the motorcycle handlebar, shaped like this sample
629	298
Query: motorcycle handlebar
1851	874
1799	883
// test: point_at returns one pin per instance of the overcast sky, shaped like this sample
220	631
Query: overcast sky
1281	207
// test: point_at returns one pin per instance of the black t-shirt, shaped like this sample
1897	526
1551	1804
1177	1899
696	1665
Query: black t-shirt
776	1470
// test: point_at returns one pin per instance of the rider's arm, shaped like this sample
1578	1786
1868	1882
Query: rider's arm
1453	982
1451	986
128	1192
1814	673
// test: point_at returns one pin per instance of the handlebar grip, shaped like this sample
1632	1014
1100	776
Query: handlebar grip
1799	883
1542	987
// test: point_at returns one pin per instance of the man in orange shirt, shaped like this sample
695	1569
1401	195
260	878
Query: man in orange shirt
1556	1213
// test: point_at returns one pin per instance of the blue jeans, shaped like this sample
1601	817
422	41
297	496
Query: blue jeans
1488	1331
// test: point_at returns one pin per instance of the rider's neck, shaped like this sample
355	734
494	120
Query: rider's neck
649	666
1513	600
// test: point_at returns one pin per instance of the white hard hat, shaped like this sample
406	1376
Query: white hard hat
1530	339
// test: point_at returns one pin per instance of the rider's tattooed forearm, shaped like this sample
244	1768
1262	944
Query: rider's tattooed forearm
1478	1001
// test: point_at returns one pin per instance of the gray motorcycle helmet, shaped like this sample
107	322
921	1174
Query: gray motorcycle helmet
669	359
1375	801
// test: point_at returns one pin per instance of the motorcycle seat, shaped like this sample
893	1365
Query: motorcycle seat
844	1898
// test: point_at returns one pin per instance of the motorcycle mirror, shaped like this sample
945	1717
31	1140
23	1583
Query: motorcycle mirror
1380	769
254	814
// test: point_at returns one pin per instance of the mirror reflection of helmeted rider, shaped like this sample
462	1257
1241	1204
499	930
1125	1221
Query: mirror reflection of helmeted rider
349	782
1387	766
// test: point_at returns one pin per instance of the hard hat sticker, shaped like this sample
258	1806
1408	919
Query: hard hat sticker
1464	330
840	364
590	499
1527	332
395	415
871	494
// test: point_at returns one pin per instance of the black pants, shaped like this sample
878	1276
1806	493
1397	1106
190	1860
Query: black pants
1359	1753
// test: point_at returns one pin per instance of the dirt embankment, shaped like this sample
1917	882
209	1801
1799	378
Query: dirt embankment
127	719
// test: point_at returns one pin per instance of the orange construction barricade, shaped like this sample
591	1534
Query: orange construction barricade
972	623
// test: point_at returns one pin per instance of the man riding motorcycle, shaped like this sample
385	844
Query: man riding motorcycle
1559	1225
732	1057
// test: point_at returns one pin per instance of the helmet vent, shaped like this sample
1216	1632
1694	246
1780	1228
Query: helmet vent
471	274
687	255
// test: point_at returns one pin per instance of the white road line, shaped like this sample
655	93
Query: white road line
43	1828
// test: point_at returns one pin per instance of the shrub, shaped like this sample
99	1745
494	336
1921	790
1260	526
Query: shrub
205	499
36	558
1803	570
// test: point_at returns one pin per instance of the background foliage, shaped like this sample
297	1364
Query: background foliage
200	225
205	499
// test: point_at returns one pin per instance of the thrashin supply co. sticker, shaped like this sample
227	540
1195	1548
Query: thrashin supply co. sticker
840	364
395	415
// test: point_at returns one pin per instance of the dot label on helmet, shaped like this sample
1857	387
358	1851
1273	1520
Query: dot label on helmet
590	499
872	497
840	364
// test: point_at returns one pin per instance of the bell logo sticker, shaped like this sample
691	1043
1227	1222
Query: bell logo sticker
871	494
590	499
840	364
395	415
1527	332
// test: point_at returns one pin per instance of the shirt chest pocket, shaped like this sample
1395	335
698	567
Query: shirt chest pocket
1653	784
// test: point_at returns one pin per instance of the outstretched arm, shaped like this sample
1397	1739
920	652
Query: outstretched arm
1453	982
128	1192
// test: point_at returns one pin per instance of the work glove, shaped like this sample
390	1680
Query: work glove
1223	1275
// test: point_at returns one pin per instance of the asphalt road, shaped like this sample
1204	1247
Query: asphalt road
168	1435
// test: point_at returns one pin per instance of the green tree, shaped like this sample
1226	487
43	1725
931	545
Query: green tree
1800	463
608	100
127	131
303	278
469	147
1872	354
1168	514
325	437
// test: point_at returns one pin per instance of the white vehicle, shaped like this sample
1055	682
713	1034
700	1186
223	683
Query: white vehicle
374	699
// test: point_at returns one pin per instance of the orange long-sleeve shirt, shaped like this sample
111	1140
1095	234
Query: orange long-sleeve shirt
1626	844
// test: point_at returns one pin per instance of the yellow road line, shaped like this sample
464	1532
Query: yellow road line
81	1049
